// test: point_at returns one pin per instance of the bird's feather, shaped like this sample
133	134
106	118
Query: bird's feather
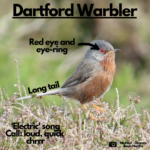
81	74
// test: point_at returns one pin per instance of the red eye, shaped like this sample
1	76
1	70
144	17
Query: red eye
102	51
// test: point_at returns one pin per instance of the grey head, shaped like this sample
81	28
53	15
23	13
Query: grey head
105	48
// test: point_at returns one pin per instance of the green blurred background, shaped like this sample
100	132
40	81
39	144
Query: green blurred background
132	36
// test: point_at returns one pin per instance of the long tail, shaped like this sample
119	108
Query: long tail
53	92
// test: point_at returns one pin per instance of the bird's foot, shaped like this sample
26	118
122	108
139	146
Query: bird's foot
84	106
99	119
97	108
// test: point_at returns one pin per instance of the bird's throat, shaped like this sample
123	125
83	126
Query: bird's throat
108	64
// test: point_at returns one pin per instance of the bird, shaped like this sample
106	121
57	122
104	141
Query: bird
93	77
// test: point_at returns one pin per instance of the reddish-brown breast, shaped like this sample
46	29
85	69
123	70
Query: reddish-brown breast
109	63
99	82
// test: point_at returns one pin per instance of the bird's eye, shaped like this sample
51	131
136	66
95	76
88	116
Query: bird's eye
102	51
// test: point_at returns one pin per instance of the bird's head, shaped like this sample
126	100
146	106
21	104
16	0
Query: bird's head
100	51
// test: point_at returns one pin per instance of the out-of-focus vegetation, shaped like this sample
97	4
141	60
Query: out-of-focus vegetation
132	36
80	130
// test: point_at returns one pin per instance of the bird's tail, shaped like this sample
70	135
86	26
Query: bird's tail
53	92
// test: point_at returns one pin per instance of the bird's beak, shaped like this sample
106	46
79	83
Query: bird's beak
113	51
117	50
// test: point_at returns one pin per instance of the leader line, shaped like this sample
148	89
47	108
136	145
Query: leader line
74	17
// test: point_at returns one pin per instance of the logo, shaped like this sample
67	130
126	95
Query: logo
112	144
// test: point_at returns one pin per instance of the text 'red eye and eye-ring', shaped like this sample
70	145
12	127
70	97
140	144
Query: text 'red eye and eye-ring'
102	51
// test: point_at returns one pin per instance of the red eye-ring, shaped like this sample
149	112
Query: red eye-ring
102	51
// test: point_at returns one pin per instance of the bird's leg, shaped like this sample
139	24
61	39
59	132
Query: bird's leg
99	108
84	106
91	116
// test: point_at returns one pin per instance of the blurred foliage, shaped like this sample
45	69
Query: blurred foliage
132	36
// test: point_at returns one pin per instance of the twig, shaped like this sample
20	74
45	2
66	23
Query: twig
16	62
1	94
118	106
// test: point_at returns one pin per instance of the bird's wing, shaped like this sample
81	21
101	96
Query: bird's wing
81	74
